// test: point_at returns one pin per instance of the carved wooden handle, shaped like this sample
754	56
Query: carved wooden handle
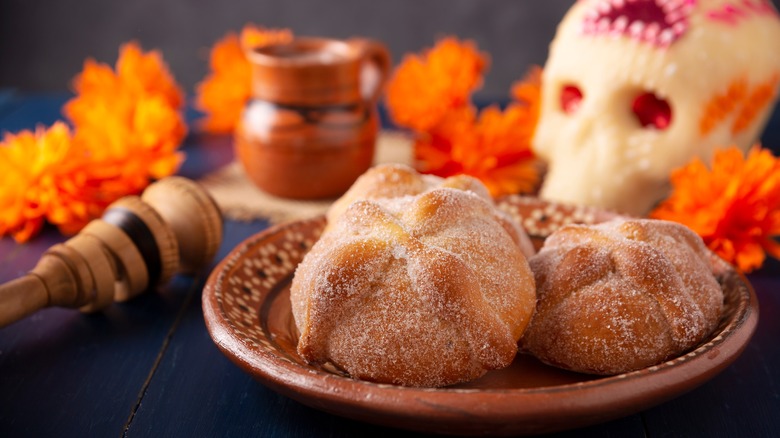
139	242
22	297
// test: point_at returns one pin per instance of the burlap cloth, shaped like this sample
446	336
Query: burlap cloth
240	199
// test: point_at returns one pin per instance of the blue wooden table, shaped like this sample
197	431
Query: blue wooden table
149	368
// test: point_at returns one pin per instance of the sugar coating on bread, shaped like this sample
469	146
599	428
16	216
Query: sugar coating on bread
397	180
419	290
621	296
388	181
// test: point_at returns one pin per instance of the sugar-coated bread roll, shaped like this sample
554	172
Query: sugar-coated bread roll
427	289
621	296
387	181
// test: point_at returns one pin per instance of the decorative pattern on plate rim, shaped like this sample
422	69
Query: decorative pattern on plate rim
266	260
540	218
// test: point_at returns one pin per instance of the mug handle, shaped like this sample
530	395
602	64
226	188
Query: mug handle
374	53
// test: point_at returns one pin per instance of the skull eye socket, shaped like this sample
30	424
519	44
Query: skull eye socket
652	111
571	98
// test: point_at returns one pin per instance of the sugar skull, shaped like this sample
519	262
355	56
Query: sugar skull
634	89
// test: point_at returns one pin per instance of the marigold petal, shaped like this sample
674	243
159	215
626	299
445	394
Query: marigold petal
147	73
223	94
27	230
424	88
127	129
734	206
41	165
492	145
258	36
528	93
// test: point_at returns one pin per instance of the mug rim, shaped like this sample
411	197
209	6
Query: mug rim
344	50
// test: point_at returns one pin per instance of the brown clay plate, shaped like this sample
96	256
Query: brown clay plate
247	312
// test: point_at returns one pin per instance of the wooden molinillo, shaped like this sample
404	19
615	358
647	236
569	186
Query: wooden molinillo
140	242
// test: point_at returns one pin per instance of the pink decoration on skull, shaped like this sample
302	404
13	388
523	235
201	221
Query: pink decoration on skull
733	12
657	22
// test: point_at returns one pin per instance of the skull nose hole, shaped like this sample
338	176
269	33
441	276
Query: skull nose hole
571	98
652	111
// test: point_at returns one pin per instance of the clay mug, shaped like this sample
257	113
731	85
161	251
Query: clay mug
310	127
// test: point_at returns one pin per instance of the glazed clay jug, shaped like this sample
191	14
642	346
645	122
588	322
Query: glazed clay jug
310	128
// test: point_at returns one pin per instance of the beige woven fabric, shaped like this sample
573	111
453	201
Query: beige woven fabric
240	199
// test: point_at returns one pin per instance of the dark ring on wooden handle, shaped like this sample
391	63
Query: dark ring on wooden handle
141	235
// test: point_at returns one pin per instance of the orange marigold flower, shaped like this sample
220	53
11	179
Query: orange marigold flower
224	92
148	72
44	176
528	92
423	89
137	73
127	129
129	120
254	36
434	150
493	146
734	207
136	141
